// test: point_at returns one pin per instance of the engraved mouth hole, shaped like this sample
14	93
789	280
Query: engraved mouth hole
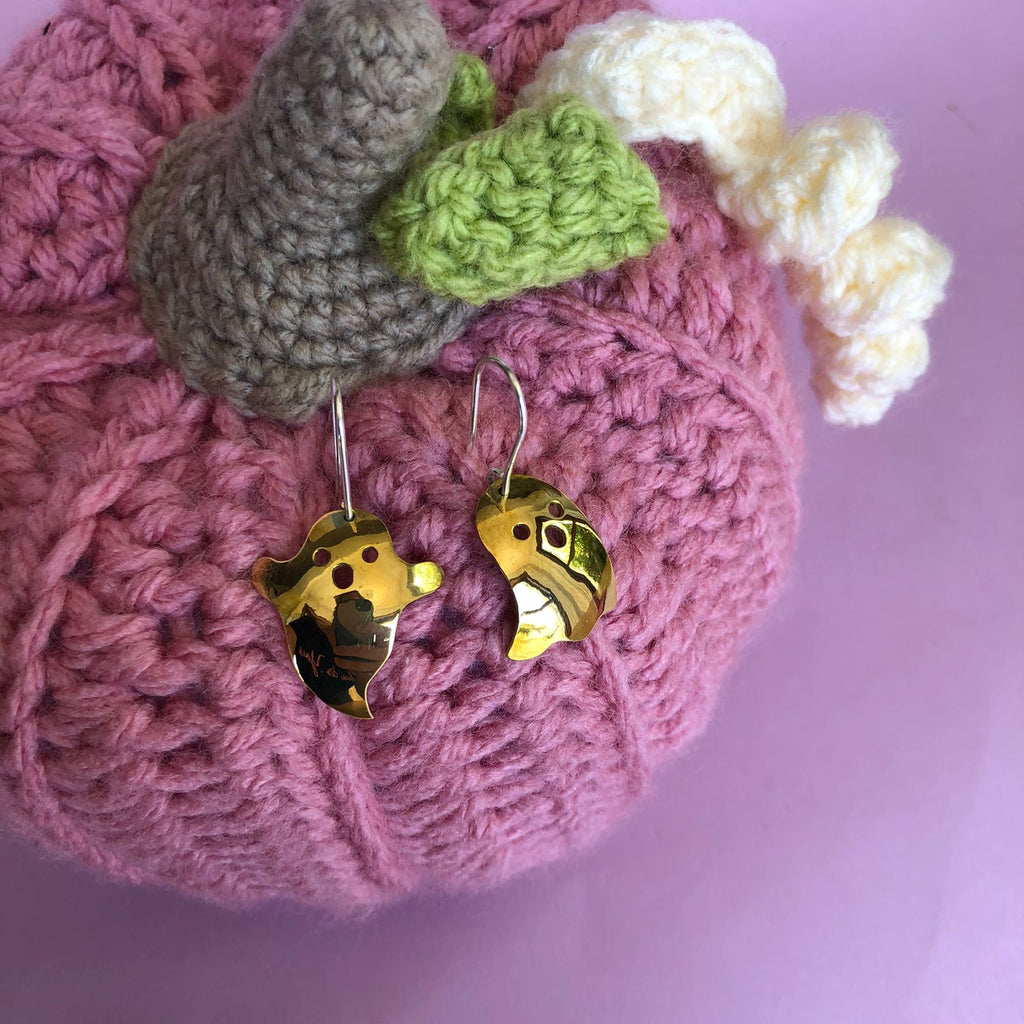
555	510
321	556
555	536
521	531
370	554
343	576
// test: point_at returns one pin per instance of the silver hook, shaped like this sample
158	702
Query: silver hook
344	485
520	404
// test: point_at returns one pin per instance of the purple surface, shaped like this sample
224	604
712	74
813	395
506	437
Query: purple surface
847	842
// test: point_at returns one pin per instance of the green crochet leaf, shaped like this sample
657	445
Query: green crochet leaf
469	108
549	195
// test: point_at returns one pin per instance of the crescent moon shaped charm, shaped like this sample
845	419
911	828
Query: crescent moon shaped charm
558	568
339	599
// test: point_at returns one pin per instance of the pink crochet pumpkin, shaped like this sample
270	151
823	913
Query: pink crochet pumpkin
151	724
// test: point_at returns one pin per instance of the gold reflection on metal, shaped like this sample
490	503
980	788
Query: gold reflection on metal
339	599
560	573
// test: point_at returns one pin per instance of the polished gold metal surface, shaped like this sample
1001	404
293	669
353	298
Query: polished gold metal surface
339	599
560	573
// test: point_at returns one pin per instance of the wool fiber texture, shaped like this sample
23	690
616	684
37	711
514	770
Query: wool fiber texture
151	724
808	199
250	248
548	196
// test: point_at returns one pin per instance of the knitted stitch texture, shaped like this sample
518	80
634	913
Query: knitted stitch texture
250	249
548	196
808	199
469	108
150	723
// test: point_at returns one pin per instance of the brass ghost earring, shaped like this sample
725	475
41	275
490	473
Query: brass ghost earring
559	571
340	596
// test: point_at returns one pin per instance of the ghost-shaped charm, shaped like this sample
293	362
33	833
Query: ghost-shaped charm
339	599
558	568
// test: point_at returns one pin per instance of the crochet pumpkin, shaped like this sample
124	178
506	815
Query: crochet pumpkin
151	724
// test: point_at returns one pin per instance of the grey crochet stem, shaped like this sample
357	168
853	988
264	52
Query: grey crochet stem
250	247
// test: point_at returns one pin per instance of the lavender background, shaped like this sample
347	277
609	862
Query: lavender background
847	842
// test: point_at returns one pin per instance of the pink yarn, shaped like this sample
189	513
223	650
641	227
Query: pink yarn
150	722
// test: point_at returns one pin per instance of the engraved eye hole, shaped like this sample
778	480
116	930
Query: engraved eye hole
343	576
555	510
555	536
521	531
321	556
370	554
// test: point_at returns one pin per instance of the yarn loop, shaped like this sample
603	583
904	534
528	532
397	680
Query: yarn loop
548	196
805	198
251	249
825	182
151	725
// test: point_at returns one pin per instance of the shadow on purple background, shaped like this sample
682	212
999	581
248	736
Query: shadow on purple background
847	842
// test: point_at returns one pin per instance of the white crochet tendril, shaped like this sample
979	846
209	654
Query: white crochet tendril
808	199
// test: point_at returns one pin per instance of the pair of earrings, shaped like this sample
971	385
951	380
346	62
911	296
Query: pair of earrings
340	596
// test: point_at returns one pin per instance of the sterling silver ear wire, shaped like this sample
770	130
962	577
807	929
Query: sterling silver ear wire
343	481
517	389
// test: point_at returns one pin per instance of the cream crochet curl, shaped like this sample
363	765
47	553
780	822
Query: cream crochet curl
809	198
